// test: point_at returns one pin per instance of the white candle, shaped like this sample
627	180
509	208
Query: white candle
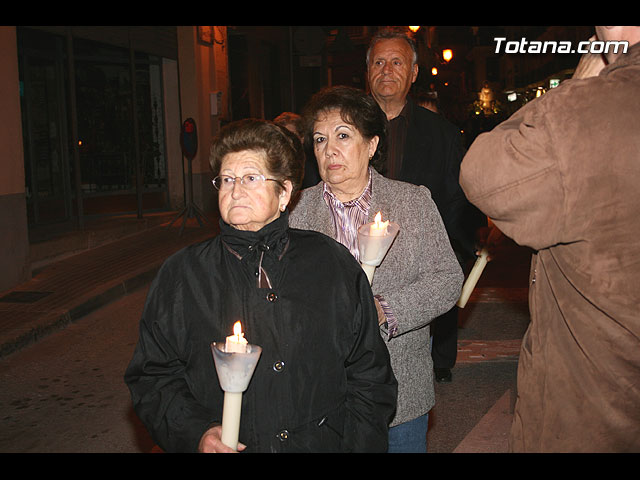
374	240
235	362
231	412
232	407
236	343
473	278
378	227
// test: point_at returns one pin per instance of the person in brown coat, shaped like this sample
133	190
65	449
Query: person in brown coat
562	176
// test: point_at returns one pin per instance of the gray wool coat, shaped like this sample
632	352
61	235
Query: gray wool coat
420	279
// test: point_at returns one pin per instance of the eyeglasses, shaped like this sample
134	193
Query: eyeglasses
250	181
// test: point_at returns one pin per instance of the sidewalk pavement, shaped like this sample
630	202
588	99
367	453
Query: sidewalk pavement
64	291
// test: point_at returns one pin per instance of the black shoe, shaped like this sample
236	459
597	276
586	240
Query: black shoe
443	375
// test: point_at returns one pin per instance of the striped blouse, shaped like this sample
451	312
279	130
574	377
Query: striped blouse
349	216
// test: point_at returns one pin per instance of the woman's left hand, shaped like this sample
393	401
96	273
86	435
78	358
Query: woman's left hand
211	442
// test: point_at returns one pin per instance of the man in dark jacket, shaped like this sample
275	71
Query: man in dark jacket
424	149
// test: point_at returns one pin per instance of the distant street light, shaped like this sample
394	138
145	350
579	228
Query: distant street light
414	29
447	55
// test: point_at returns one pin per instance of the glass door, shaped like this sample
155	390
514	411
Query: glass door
44	122
118	102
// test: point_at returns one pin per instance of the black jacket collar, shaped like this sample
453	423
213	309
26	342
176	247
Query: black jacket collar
272	238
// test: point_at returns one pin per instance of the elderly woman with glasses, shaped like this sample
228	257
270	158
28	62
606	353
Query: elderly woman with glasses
323	382
419	279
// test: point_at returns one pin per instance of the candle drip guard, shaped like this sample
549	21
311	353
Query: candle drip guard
373	248
235	369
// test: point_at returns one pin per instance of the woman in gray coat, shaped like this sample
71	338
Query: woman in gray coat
419	279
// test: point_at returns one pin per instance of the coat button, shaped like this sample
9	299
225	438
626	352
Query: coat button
272	297
283	435
278	366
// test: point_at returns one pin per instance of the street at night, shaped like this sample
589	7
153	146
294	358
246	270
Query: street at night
307	152
65	392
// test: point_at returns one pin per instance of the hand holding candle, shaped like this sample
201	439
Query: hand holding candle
235	362
374	240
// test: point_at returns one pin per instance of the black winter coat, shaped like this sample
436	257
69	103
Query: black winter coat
323	382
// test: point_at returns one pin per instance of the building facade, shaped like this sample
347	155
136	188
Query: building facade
92	115
91	123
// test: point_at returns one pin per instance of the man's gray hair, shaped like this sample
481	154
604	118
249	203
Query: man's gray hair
390	33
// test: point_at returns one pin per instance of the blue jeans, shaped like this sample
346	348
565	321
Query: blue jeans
409	437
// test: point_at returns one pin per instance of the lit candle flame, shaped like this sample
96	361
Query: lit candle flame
237	328
236	342
378	227
379	223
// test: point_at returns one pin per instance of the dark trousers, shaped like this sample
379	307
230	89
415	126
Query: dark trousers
444	348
